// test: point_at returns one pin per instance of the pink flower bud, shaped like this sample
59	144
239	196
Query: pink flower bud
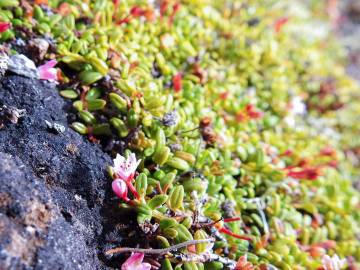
47	71
4	26
120	189
135	262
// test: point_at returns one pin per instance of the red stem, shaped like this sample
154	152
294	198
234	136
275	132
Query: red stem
132	189
231	219
238	236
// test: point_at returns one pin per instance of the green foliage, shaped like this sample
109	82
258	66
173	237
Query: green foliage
241	116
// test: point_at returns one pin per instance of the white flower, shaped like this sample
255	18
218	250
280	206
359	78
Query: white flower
333	263
167	40
290	120
125	169
298	106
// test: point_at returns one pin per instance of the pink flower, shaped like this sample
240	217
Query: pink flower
4	26
134	262
125	169
120	189
124	172
333	263
47	71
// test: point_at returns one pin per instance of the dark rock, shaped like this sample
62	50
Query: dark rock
38	47
55	127
10	115
4	63
21	65
56	204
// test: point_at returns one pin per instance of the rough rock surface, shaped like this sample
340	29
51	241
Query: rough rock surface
56	207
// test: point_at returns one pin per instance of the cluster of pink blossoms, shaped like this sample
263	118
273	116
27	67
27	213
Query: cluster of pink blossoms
124	172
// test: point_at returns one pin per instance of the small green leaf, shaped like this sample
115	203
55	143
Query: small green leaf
178	163
87	117
79	127
90	77
176	198
101	129
71	94
96	104
157	201
118	101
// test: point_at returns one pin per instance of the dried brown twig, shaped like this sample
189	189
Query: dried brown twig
160	251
